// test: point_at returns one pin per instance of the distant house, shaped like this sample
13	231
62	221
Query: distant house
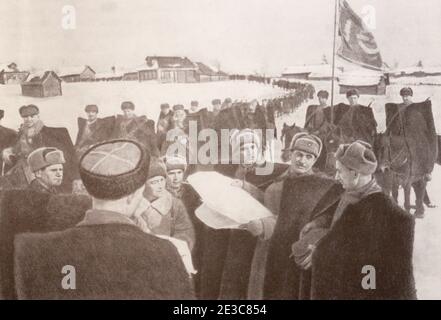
131	75
9	74
369	83
77	74
309	72
168	69
113	75
205	73
417	71
222	76
44	84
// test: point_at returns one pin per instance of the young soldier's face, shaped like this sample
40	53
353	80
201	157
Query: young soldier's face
179	115
156	186
407	99
30	121
175	178
302	162
353	100
216	107
249	154
128	113
323	101
52	175
347	177
91	115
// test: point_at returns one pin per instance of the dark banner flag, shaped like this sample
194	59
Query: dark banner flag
357	42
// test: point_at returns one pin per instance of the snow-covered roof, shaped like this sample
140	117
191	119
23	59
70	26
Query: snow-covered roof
316	69
36	74
432	69
171	62
72	70
360	77
415	69
205	70
110	74
40	76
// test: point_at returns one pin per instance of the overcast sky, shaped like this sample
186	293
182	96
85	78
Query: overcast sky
243	36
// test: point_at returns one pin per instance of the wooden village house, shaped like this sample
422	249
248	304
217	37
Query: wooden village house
222	76
113	75
44	84
77	74
168	69
10	74
205	73
163	69
309	72
366	83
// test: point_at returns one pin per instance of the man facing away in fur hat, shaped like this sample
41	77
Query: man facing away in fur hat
367	253
111	252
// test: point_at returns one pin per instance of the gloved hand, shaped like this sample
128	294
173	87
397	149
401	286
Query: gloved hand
255	227
78	187
6	155
306	263
309	226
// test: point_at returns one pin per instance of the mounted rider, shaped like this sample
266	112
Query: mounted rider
356	122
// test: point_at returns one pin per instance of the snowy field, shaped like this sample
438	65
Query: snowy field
431	80
64	110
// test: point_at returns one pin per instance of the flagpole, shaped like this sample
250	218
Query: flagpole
333	61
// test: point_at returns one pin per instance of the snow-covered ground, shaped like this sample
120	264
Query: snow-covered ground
64	110
431	80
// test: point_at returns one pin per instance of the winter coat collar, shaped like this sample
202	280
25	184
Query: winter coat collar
40	186
163	204
99	217
354	196
33	131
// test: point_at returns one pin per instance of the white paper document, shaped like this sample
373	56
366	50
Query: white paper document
225	206
184	252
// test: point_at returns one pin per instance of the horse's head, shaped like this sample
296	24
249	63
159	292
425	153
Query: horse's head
331	141
288	132
333	138
381	148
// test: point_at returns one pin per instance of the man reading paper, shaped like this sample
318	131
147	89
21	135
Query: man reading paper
228	254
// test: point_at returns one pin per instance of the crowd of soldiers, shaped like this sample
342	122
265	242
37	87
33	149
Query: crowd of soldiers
276	82
323	232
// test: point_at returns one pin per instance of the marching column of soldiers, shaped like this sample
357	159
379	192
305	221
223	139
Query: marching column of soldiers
117	207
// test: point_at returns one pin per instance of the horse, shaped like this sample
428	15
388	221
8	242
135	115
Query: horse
333	138
288	132
395	166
